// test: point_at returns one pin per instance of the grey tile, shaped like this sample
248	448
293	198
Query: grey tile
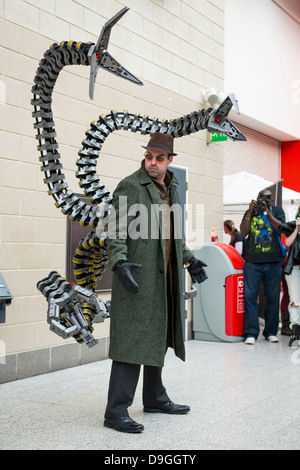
65	356
8	368
96	353
33	363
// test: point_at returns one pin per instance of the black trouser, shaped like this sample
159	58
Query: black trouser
123	382
124	378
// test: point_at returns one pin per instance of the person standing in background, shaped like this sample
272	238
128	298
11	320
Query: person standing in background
264	255
236	239
292	272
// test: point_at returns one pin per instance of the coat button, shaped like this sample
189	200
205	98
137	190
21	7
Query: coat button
161	270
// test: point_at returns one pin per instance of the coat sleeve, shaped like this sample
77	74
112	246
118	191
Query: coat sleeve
187	254
279	214
287	228
117	231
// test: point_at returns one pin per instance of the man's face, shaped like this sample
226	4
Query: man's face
266	196
156	164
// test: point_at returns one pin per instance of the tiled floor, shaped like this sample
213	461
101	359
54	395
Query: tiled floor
241	397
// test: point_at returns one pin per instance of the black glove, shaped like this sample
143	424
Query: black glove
196	270
123	270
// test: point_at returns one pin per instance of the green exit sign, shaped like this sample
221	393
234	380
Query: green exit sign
218	137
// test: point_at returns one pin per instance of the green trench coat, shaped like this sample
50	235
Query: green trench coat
138	330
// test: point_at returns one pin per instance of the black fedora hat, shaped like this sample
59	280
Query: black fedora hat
159	141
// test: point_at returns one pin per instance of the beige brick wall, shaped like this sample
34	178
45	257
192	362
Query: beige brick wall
174	46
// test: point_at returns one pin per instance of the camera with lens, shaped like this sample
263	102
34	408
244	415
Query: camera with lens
260	203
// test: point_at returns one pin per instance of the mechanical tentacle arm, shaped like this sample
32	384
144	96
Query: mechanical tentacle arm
68	53
71	310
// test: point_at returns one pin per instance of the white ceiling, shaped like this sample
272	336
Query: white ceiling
291	7
267	108
258	126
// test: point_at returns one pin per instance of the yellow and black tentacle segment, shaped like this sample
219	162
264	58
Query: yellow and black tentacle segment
89	261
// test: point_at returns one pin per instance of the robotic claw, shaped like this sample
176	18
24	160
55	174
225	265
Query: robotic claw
72	310
99	57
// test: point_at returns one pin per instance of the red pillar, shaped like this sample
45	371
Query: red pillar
290	164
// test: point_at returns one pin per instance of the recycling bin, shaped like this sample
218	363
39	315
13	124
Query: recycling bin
218	308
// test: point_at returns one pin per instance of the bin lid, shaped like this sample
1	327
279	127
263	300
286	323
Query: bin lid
234	256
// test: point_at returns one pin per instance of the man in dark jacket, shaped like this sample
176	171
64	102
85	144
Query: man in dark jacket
146	254
263	258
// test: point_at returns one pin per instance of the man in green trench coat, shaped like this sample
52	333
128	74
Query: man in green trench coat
146	254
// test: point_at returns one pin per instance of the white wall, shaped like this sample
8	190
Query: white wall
262	66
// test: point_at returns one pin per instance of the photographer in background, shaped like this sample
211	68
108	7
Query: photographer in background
263	253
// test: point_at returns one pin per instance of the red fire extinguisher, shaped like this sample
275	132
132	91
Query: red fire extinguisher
214	237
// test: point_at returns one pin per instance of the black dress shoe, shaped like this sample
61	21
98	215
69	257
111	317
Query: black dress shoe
125	424
169	407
